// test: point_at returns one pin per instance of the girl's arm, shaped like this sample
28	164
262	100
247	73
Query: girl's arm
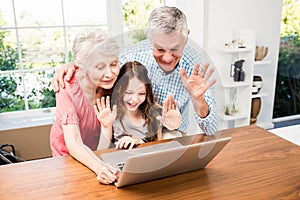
74	143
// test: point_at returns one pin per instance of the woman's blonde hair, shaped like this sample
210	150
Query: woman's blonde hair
95	41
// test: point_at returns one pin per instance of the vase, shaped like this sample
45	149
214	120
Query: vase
261	52
257	84
255	108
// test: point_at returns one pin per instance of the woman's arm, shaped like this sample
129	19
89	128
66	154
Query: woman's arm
86	156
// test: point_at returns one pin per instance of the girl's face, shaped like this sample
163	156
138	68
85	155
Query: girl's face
103	70
135	95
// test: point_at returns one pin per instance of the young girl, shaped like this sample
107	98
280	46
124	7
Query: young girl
139	119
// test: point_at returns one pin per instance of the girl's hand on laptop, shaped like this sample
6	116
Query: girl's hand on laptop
128	142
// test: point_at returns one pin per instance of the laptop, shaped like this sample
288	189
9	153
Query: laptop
161	160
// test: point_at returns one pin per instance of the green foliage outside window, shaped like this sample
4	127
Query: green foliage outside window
136	14
10	101
287	96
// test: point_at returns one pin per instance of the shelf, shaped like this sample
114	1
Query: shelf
259	95
262	62
264	125
235	50
234	117
233	84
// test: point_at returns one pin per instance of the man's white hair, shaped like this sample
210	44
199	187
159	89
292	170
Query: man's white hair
166	20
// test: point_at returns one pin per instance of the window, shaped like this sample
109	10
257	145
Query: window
287	95
35	37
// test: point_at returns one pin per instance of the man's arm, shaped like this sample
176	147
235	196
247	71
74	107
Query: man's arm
67	70
196	85
204	105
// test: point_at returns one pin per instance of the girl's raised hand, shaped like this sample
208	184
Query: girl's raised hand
171	117
105	115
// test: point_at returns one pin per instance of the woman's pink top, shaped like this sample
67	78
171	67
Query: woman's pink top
72	107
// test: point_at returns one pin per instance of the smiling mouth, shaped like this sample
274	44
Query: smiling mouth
107	81
132	105
166	63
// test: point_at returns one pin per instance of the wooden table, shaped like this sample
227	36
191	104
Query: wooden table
254	165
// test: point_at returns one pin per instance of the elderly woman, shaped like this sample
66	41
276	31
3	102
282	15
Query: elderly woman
78	131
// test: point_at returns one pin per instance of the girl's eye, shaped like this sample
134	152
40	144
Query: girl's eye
128	92
142	93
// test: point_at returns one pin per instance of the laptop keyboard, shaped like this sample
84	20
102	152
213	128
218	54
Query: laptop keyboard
118	158
120	165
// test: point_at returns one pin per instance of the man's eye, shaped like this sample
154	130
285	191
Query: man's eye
174	50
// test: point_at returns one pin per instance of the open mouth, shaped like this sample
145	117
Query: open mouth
132	105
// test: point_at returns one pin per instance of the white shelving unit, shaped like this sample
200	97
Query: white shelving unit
215	22
236	102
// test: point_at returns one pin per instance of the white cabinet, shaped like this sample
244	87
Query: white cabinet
235	99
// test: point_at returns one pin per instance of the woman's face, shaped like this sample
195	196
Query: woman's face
103	70
135	95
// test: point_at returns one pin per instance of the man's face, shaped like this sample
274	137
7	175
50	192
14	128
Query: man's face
168	49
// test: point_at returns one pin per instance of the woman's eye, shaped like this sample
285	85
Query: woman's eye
114	64
100	66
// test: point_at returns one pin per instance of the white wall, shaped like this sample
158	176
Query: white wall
194	12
